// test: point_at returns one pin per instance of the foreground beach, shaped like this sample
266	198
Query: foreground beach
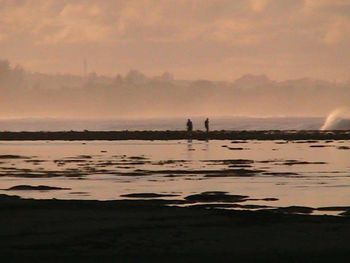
149	231
176	201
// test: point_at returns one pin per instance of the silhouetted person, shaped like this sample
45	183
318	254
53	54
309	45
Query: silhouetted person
206	124
189	125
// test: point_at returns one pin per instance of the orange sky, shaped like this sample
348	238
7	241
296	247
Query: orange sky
208	39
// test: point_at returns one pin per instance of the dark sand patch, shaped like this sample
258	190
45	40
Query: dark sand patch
203	171
122	162
133	173
307	141
175	175
207	173
84	157
229	162
269	199
241	141
297	162
138	158
193	179
333	208
36	161
165	162
266	199
216	196
80	193
237	148
9	156
66	161
35	188
240	166
39	173
281	142
234	172
271	161
280	173
343	148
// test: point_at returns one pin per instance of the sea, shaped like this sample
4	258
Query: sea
111	124
272	174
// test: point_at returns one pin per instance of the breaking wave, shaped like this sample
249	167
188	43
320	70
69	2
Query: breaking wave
338	119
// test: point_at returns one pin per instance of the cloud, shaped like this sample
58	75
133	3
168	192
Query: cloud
174	34
146	20
258	5
338	30
77	23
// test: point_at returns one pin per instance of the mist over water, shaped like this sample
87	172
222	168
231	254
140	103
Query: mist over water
135	95
216	123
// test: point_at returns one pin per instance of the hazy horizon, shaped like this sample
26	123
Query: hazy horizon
155	59
163	73
28	94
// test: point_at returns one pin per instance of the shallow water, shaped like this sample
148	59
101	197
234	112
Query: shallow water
296	173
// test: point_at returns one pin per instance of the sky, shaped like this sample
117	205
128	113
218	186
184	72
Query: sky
192	39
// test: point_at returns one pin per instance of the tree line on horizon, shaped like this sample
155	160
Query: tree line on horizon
26	94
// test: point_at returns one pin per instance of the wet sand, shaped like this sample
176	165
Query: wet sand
292	173
150	231
176	135
155	219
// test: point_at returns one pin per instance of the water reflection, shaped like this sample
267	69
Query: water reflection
190	149
296	173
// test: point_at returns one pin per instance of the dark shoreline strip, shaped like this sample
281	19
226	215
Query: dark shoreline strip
152	231
175	135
